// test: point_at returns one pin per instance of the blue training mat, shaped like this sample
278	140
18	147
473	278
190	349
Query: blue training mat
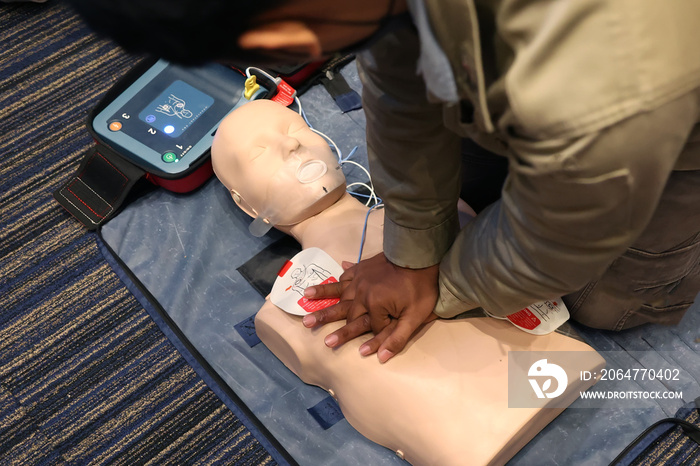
185	249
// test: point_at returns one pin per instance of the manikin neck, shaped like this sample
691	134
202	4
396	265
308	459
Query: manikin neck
346	210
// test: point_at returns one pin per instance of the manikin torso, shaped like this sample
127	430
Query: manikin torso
444	399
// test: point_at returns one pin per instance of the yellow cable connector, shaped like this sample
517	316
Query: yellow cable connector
251	87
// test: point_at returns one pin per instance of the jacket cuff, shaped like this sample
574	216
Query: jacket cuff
448	305
417	249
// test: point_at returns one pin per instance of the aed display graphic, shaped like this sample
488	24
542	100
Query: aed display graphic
176	108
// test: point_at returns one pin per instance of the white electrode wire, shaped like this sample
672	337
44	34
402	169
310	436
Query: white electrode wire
372	194
277	81
366	196
261	71
337	151
303	114
343	162
352	152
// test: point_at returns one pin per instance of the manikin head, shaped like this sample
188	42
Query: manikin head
276	168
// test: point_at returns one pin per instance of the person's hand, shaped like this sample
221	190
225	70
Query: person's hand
378	296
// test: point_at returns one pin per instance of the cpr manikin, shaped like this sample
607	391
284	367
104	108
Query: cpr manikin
444	399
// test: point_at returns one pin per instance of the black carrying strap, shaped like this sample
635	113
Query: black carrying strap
630	453
103	180
345	97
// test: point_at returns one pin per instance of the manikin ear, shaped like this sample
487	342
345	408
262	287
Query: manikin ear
242	204
283	36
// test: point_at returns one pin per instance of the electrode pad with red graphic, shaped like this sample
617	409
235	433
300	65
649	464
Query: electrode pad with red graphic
540	318
310	267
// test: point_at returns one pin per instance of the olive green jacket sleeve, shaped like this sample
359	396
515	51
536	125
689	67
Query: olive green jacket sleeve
414	159
569	208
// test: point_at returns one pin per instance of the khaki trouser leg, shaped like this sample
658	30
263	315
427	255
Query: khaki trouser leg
657	279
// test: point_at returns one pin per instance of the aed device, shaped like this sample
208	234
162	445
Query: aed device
157	122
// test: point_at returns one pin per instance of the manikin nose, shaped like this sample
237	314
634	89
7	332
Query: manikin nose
289	144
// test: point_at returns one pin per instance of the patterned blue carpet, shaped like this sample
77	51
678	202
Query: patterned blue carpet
86	377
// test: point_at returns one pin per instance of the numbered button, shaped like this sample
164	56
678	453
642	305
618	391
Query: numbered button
169	157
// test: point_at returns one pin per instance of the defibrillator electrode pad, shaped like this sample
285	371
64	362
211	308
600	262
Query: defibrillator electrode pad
310	267
541	318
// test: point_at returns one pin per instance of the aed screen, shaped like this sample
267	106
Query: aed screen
177	109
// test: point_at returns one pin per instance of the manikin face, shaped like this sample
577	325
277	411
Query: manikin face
276	168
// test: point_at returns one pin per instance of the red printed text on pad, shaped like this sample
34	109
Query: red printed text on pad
525	319
313	305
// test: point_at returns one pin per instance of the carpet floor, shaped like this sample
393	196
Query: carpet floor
86	377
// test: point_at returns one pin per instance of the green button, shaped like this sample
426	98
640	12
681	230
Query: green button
169	157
